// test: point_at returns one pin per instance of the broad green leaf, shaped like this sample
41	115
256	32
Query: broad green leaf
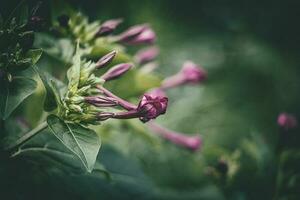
73	73
83	142
13	93
99	168
35	55
46	149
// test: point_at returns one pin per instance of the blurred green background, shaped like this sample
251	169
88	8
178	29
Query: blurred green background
251	52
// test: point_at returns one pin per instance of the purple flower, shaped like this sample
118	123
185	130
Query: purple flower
146	55
149	108
108	26
152	106
148	36
139	34
287	121
116	71
157	92
190	73
190	142
193	73
106	59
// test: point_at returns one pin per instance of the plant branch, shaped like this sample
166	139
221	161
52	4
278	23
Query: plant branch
28	136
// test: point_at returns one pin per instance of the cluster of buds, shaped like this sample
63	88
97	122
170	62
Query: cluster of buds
88	101
102	104
135	35
78	26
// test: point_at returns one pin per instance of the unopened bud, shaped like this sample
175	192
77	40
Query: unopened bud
108	26
116	71
102	116
146	55
105	60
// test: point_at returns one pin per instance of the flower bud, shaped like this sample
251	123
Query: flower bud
190	142
116	71
157	92
152	106
146	55
106	59
148	36
287	121
193	73
102	116
99	101
132	32
108	27
76	99
75	108
190	73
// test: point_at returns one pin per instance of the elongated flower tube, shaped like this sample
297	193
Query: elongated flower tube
139	34
108	27
100	101
287	121
116	71
190	73
106	59
149	107
190	142
146	55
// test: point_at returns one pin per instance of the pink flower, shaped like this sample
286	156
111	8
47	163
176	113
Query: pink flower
193	73
190	142
287	121
152	106
146	55
108	26
116	71
139	34
190	73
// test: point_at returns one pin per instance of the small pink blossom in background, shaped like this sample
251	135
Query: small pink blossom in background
287	121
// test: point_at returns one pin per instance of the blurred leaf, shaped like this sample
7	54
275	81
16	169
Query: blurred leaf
99	168
83	142
35	55
13	93
51	98
60	49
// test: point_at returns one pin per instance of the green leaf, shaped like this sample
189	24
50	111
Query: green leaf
50	102
13	93
35	55
73	73
83	142
46	149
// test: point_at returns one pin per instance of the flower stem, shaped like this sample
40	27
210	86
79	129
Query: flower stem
28	135
121	102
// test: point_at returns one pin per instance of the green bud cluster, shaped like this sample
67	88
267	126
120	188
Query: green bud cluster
82	83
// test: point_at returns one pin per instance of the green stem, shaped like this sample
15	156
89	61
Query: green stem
28	135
